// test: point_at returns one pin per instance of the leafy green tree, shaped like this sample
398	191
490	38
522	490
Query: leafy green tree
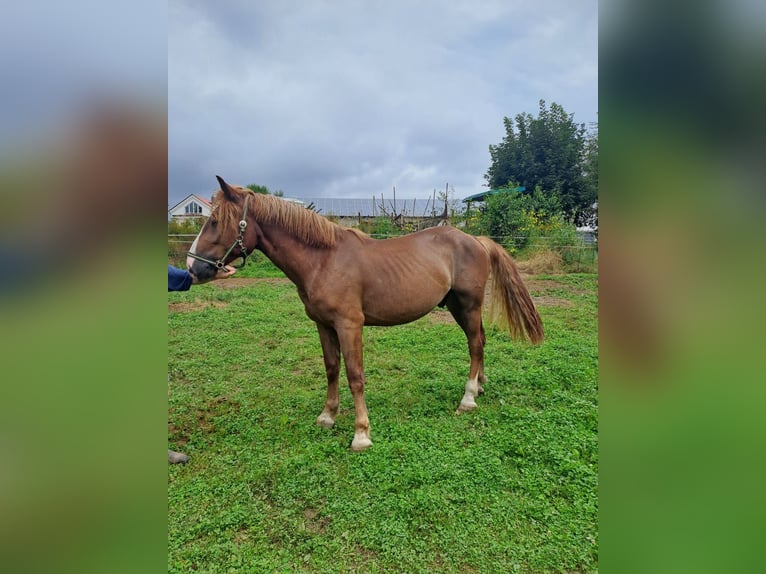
262	189
547	152
258	188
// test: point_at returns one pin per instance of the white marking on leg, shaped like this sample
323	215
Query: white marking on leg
361	440
326	420
469	398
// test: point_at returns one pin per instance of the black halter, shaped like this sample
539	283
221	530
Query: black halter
238	242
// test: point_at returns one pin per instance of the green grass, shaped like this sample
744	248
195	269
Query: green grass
510	487
258	265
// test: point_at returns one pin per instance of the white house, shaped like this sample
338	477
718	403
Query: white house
191	206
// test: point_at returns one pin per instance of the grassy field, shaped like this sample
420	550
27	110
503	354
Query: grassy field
510	487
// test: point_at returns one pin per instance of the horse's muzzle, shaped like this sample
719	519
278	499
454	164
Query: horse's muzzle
201	270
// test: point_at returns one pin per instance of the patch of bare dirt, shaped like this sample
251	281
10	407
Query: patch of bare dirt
360	557
314	522
444	317
543	284
543	261
204	419
178	436
186	307
441	317
215	407
236	282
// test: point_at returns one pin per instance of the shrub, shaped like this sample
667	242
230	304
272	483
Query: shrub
381	226
185	225
560	236
514	218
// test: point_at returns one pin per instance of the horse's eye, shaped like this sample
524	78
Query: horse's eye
213	223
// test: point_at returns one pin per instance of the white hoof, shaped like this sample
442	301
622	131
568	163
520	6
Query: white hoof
360	443
325	421
466	406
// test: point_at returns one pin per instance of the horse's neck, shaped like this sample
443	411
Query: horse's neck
296	259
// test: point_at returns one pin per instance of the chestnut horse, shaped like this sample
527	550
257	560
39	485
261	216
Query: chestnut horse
347	280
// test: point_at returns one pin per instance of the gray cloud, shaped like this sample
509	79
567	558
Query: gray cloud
347	99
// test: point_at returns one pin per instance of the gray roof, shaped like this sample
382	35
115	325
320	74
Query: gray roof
351	207
482	195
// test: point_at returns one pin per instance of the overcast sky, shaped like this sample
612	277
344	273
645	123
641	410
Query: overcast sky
350	98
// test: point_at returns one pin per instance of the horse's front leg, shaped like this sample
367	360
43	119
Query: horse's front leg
350	337
331	354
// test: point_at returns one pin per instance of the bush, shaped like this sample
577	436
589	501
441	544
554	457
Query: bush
381	226
532	227
178	246
515	218
185	225
560	236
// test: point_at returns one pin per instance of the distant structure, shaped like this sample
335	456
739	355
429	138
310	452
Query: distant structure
191	206
409	214
403	213
482	195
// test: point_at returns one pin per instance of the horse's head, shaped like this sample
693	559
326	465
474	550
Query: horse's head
221	240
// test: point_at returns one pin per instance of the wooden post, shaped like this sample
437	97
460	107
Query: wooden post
394	200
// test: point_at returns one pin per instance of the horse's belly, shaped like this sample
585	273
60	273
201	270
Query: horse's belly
371	321
398	313
402	289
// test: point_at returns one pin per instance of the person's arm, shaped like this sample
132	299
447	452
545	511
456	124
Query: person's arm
182	280
179	279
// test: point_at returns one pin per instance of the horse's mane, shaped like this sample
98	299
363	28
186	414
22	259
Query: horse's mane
304	224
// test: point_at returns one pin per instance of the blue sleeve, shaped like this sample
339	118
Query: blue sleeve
178	279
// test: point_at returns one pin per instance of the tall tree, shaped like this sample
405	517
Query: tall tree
262	189
548	151
258	188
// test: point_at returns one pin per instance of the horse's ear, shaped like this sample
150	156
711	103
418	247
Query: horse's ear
227	191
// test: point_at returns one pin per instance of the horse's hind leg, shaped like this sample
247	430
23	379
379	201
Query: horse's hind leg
331	353
482	376
467	312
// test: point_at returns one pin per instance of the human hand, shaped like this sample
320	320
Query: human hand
227	271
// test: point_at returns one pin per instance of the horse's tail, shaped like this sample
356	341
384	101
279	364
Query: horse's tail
509	302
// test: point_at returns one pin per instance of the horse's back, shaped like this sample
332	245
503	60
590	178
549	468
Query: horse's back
434	240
